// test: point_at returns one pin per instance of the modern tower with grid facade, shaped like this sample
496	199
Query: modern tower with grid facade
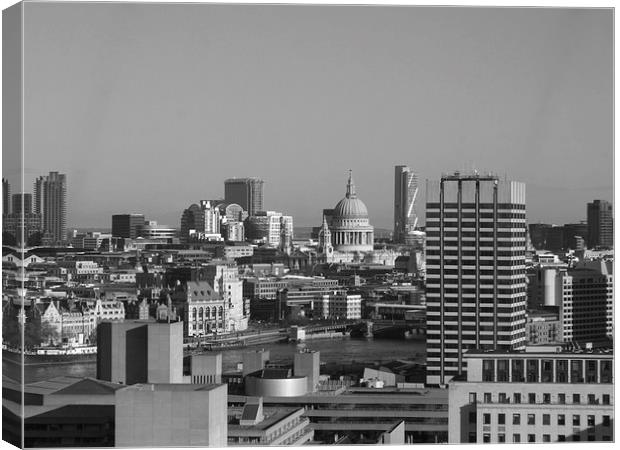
476	282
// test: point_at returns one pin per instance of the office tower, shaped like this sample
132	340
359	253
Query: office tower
405	193
246	192
274	228
128	226
476	283
6	197
572	231
50	201
600	224
17	203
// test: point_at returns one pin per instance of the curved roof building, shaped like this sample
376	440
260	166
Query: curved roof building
349	226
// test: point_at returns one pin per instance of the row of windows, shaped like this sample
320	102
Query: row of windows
516	438
469	205
545	419
535	371
469	224
532	398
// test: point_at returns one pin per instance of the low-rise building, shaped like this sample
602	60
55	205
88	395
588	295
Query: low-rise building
536	395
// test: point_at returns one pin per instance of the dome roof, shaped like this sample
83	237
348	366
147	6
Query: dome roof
350	205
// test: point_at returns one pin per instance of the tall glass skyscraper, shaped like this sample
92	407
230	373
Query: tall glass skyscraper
246	192
600	224
50	201
405	194
476	283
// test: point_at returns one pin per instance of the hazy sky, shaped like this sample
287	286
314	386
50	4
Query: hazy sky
148	108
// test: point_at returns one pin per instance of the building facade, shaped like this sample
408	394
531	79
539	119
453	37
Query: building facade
475	269
128	226
405	195
533	396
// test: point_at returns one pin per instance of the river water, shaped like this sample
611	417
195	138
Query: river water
338	350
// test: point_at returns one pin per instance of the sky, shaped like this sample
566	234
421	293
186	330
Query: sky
148	108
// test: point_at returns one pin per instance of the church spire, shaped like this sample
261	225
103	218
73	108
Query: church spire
351	186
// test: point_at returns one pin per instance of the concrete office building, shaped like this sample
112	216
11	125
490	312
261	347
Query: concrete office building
203	368
405	195
128	226
246	192
475	269
140	352
255	425
171	415
600	224
539	395
307	363
50	201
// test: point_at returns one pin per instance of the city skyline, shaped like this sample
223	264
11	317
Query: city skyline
424	88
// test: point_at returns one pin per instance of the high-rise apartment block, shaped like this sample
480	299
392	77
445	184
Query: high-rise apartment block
128	226
600	224
246	192
405	194
50	201
476	283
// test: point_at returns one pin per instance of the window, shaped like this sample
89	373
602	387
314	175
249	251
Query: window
531	419
487	397
503	398
472	397
605	399
547	398
591	437
561	438
517	398
531	398
576	420
488	370
561	419
516	438
546	438
502	370
486	438
546	419
531	438
591	399
590	421
576	398
486	419
501	438
532	371
501	419
472	437
606	421
562	399
516	419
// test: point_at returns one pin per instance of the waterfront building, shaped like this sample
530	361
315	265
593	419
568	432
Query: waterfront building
257	426
600	224
405	195
50	202
245	192
204	310
171	415
224	277
339	305
475	276
536	395
140	352
128	226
